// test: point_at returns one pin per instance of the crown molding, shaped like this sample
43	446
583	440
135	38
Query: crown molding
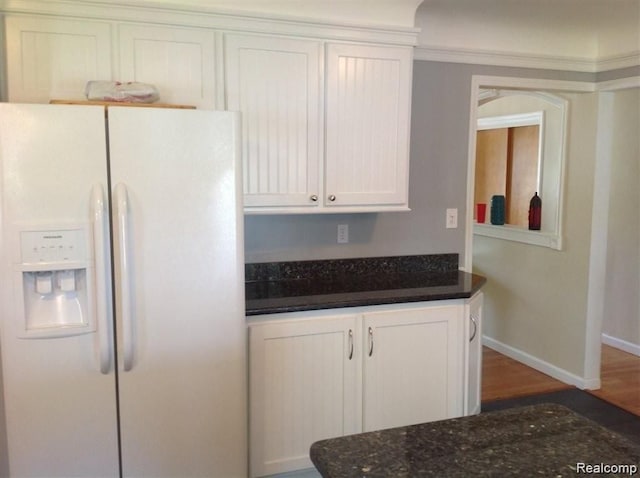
207	17
521	60
618	62
619	84
536	84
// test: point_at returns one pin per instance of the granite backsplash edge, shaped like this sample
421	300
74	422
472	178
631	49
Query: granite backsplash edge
331	268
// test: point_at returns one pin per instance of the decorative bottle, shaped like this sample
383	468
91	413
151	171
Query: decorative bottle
535	212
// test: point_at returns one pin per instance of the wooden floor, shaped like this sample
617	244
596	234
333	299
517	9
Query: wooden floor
620	379
503	378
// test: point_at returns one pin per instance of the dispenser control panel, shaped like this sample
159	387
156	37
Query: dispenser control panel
55	274
59	246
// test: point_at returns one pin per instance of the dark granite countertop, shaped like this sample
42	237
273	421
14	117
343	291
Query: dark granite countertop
541	440
312	285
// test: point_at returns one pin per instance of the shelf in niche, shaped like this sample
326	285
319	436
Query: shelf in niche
519	234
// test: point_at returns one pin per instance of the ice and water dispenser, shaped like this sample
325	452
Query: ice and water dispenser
56	277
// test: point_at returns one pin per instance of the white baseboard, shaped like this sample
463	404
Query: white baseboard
623	345
541	365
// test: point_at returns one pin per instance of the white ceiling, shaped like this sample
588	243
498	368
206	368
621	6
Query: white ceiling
580	35
580	30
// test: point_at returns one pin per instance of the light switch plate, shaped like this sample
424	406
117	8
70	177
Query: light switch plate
452	218
343	233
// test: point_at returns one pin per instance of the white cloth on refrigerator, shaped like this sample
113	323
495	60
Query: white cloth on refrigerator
131	91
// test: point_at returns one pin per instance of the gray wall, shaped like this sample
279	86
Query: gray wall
617	74
438	180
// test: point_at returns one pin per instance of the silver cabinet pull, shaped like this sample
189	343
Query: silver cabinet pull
370	341
313	197
475	328
350	344
332	198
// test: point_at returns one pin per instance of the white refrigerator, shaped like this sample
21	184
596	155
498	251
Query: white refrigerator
123	342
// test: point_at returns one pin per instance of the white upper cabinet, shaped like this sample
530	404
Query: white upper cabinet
54	58
367	125
180	62
325	107
290	93
276	84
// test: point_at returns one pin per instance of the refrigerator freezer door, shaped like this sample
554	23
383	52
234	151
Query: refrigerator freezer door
60	410
183	400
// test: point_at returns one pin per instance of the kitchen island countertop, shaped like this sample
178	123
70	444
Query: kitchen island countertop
538	440
312	285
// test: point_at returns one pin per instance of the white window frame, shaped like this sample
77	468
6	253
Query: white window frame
551	235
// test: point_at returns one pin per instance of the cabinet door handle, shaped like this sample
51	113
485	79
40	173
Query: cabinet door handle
332	198
313	198
350	344
370	341
475	328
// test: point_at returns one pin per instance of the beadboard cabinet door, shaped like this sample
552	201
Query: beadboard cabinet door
276	83
51	57
304	387
367	125
180	62
412	366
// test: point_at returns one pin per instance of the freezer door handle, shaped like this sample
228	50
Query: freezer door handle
122	209
103	318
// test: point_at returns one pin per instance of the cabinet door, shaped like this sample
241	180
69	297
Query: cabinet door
180	62
275	83
54	58
473	362
304	386
367	128
412	366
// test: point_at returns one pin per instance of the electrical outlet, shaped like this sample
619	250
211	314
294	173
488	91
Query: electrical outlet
343	233
452	218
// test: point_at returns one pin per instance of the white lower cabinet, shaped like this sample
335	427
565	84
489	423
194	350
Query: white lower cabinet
321	374
473	354
304	386
412	366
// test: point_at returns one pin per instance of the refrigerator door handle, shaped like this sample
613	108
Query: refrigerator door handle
102	309
122	208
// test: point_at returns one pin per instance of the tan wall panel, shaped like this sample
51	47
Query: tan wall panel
491	165
522	174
